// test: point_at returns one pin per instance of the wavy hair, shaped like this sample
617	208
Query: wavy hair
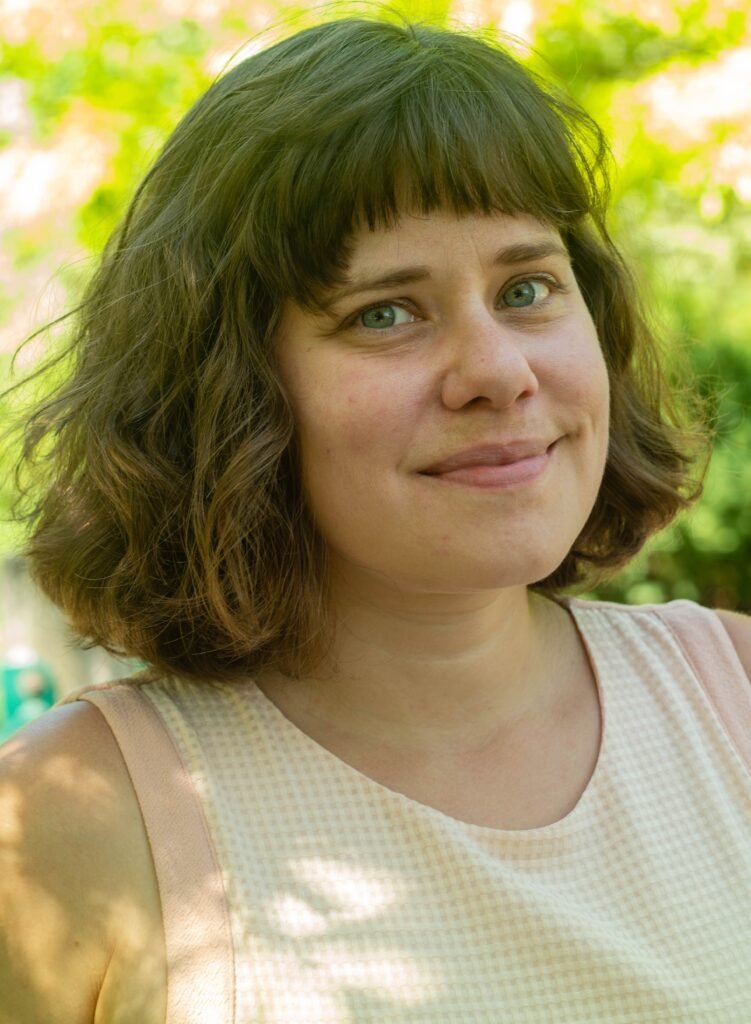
167	516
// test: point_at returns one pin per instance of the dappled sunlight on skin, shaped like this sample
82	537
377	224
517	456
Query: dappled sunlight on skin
119	997
45	942
77	881
11	809
67	773
52	946
74	880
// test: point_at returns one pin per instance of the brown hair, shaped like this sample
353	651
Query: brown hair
168	520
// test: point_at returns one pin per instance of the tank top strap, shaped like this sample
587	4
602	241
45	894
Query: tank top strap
200	957
707	647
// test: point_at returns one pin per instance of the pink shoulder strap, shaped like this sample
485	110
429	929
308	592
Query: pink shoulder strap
200	960
713	657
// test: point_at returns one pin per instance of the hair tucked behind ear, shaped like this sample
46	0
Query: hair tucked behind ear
163	492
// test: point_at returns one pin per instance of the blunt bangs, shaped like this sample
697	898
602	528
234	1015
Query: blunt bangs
429	120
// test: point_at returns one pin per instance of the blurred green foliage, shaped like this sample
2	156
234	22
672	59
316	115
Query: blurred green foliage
689	237
130	73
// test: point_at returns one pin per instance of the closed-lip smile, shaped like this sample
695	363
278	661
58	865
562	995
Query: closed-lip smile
490	455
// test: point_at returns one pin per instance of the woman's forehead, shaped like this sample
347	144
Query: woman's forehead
442	233
416	225
419	245
410	221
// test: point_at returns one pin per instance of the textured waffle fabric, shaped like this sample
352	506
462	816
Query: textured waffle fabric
303	892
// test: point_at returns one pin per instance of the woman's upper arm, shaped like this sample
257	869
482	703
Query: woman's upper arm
80	929
739	630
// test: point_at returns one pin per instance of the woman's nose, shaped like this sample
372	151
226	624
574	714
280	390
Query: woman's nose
486	360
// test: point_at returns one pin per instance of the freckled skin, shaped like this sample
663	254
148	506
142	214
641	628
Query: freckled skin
445	676
458	367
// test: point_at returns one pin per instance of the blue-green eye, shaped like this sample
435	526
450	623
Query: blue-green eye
524	293
384	316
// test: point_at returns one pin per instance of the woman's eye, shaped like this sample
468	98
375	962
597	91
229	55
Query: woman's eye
528	292
386	315
525	293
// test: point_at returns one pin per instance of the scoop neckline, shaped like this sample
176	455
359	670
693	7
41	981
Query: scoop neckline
573	820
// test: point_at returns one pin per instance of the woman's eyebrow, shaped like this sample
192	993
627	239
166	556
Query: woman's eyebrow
520	252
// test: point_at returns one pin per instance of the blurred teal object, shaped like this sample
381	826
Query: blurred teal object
27	688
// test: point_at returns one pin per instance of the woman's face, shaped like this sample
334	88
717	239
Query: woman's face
452	407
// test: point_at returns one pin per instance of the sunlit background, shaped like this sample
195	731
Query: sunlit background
89	90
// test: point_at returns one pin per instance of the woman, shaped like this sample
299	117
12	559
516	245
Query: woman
361	385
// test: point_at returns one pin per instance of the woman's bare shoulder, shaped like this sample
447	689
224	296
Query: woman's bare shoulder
79	906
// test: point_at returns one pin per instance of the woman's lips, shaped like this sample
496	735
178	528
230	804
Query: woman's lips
492	475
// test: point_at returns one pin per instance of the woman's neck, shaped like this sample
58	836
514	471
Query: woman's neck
429	674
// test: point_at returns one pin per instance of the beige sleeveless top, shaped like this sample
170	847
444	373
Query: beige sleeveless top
296	890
